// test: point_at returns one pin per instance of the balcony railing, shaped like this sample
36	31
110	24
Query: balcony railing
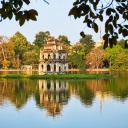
54	60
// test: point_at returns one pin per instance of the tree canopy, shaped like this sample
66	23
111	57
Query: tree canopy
41	38
116	12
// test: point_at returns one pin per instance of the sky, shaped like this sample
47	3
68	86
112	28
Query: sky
53	18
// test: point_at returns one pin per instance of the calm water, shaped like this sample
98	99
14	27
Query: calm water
64	104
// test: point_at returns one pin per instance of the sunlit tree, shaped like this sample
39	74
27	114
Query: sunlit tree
94	59
21	45
112	53
6	52
41	38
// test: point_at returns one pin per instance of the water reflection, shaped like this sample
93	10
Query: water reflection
17	91
52	95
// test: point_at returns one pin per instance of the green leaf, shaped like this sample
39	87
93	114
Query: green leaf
33	17
95	6
101	17
22	20
18	15
87	9
20	3
108	12
27	1
120	30
75	3
101	11
32	11
126	26
110	28
117	16
10	15
86	19
82	34
95	27
106	36
115	22
105	44
114	40
71	12
125	32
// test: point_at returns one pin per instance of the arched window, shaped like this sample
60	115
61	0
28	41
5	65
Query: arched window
48	56
54	68
42	86
59	69
48	68
54	56
42	67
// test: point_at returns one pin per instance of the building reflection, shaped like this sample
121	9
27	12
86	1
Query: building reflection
53	95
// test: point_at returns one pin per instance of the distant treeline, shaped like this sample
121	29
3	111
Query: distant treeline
16	51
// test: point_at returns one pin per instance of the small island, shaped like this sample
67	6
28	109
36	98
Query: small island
57	76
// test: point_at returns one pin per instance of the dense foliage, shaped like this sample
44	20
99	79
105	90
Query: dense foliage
16	51
116	18
114	11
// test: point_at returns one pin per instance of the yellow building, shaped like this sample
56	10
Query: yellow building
53	59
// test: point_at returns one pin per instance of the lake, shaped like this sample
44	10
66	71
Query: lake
64	103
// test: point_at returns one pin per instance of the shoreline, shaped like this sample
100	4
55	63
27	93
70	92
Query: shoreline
71	70
57	76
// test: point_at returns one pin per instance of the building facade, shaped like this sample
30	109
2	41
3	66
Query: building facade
53	59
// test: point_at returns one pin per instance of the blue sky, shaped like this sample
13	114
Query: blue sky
53	18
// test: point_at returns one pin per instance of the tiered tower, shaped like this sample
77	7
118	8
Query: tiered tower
53	59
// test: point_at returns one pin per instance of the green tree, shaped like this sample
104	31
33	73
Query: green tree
121	43
6	52
111	54
41	38
31	57
88	43
87	39
64	39
76	56
76	48
76	61
21	45
121	62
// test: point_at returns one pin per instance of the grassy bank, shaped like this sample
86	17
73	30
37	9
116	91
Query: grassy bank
58	76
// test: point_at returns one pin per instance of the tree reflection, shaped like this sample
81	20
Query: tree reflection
119	87
80	89
52	95
17	91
